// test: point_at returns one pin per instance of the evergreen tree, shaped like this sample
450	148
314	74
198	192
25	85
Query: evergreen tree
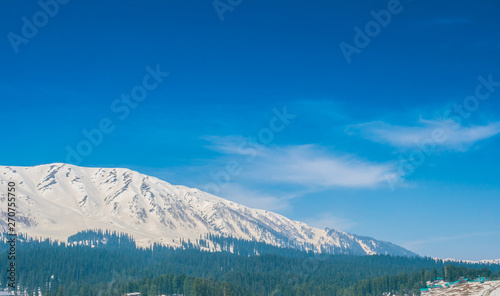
60	292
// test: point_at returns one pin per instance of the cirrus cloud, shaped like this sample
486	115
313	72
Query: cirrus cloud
306	165
454	136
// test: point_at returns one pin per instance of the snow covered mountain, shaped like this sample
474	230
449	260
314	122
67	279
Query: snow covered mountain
58	200
485	261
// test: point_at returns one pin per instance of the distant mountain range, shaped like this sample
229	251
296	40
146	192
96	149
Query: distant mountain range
486	261
58	200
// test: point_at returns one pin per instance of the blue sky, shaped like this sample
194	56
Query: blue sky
397	139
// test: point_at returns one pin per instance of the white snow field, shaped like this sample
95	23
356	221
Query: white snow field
58	200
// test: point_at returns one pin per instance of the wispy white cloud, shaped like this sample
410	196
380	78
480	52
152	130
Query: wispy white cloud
233	145
449	134
255	199
305	165
315	166
327	220
439	239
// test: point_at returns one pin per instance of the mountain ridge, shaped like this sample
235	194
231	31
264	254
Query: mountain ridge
483	261
58	200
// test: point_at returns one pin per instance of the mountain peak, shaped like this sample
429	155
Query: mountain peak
58	200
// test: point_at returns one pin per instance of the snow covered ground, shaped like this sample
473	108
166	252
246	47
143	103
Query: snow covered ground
491	288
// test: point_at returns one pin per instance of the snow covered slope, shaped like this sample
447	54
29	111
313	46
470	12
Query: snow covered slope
485	261
58	200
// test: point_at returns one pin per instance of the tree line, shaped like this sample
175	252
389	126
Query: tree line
104	263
